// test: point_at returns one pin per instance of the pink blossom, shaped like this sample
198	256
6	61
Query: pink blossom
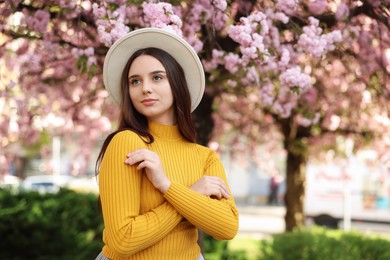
118	30
209	12
342	12
67	4
231	83
110	24
317	7
284	110
248	53
267	94
293	78
310	96
39	21
285	59
281	17
313	41
285	102
249	34
241	33
104	36
220	4
197	44
161	15
331	38
232	62
89	51
308	120
251	77
91	61
98	11
133	14
274	38
217	58
259	18
219	20
287	6
258	42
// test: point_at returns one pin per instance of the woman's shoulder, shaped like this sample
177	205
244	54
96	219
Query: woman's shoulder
128	138
125	133
205	151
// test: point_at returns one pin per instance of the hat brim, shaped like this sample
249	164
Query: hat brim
178	48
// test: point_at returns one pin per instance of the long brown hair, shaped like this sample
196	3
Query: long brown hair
131	119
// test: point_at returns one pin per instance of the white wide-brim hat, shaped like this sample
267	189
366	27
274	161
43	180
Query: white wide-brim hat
120	52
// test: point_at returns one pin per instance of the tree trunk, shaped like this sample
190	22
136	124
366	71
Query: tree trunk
20	164
295	190
203	120
295	143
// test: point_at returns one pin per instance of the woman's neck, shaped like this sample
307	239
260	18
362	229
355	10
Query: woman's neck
162	131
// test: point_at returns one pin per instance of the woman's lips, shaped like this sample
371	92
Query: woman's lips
149	101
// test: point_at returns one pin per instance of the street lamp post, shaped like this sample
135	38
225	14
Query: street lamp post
56	146
347	186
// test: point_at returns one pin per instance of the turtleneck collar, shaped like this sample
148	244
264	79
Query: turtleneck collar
167	132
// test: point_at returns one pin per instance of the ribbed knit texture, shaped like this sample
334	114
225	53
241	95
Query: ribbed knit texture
142	223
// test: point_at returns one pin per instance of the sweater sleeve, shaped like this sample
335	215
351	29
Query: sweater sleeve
126	230
219	218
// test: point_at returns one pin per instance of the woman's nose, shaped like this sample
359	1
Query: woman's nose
146	87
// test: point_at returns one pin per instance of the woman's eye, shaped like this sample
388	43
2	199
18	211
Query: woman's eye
157	78
134	82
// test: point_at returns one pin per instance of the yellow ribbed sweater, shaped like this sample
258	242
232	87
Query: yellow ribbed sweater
141	222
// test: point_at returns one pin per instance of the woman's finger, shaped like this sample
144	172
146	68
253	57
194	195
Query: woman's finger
139	152
221	192
221	185
141	165
139	156
225	194
225	190
222	189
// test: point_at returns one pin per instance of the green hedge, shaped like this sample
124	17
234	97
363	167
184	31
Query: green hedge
218	250
320	243
65	225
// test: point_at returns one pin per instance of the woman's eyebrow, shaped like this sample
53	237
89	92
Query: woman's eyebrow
151	73
157	72
133	76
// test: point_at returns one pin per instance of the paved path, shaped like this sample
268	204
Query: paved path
263	221
260	221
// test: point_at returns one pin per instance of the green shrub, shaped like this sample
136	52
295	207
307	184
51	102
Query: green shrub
218	250
320	243
65	225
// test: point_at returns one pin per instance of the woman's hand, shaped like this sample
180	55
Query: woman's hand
212	186
150	162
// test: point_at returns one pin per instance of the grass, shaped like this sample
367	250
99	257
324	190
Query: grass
247	244
251	245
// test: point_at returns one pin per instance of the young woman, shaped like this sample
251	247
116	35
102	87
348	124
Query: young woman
157	186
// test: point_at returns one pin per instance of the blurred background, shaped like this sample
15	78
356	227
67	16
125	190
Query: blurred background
296	105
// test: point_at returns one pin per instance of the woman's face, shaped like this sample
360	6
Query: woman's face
150	91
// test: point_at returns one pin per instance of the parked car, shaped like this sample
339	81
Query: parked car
357	188
46	183
84	184
10	181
